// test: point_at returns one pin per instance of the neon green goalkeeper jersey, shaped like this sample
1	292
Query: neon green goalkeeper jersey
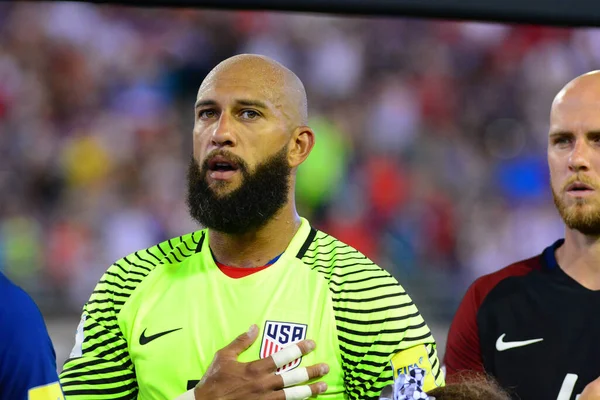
156	318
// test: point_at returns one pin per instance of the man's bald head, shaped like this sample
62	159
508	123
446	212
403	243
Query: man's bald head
277	83
585	89
577	106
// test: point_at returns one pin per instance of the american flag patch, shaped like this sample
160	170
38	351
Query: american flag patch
278	335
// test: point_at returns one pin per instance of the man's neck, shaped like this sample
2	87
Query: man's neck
256	248
579	257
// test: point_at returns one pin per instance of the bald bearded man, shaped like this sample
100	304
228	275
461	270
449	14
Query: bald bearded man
534	325
258	305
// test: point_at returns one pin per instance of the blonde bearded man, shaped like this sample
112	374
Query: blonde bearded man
534	325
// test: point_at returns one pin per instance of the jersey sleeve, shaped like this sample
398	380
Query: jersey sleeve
463	352
381	332
99	366
27	357
376	320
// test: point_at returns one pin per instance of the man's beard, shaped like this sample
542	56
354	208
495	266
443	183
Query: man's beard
261	194
583	216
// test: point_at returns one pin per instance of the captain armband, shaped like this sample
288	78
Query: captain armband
415	357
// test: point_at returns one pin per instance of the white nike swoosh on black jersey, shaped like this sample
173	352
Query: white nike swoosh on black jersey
501	345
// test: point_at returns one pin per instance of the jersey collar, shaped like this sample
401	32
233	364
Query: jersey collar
297	247
549	255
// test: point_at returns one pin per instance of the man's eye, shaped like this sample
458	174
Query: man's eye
207	114
562	140
249	114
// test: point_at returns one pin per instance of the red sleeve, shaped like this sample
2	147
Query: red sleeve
463	351
462	346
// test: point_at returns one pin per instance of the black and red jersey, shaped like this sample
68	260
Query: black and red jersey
532	327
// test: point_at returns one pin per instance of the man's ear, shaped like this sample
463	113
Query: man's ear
301	144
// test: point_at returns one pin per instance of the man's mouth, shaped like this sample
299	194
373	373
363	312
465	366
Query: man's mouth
221	168
579	188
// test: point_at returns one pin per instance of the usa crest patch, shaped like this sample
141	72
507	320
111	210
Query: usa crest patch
278	335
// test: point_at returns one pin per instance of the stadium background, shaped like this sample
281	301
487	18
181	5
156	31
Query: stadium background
430	154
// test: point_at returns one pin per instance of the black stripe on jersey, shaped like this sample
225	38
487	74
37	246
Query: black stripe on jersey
385	331
312	250
123	353
107	309
106	343
129	396
187	247
433	366
345	247
115	284
200	243
324	269
103	301
143	259
110	291
172	254
105	370
366	362
412	339
103	345
353	364
143	274
377	387
385	276
132	396
431	350
368	344
153	255
384	356
178	248
365	300
374	310
307	243
112	390
357	271
114	379
138	265
109	318
67	373
359	382
320	267
121	267
378	321
161	250
358	375
363	289
95	326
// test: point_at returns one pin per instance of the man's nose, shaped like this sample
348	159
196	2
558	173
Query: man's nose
223	135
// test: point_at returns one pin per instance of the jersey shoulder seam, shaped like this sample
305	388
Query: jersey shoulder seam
485	286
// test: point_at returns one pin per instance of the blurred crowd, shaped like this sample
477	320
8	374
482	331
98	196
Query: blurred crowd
431	136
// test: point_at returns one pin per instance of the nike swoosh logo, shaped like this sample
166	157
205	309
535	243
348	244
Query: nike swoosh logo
147	339
501	345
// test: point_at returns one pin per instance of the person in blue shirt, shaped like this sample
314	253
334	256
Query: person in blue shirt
27	357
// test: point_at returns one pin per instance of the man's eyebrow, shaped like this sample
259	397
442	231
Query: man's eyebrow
239	102
204	103
593	132
252	103
560	133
